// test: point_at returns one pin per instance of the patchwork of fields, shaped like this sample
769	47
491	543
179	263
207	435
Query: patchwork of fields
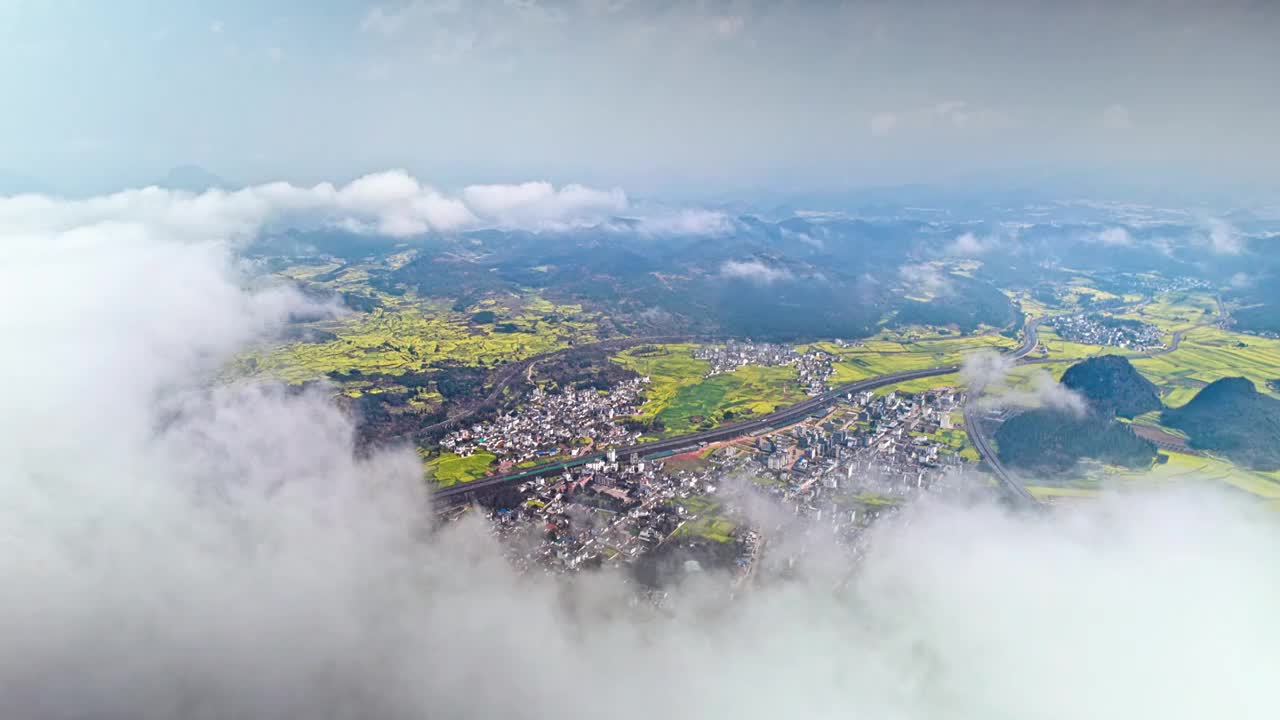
405	334
881	356
1210	353
683	401
1179	468
414	335
450	469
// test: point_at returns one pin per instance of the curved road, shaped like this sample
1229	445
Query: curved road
465	492
1013	487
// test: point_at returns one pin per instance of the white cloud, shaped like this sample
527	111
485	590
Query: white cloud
216	27
970	245
541	204
392	203
1223	238
1241	280
812	239
685	221
1116	117
925	278
754	270
986	373
1114	236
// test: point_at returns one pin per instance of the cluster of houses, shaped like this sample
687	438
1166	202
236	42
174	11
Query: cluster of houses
836	470
896	438
568	423
813	367
612	510
1098	329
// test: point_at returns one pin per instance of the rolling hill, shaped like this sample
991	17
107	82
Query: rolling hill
1231	417
1112	386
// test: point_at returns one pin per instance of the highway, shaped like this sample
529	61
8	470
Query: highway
466	492
1016	490
973	425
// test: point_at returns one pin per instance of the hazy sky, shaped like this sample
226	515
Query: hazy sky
657	97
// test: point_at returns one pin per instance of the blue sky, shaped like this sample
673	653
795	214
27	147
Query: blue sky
677	98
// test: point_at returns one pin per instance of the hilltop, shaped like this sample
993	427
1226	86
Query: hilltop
1230	416
1112	386
1053	440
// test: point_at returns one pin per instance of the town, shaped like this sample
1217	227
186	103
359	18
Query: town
840	470
569	423
813	367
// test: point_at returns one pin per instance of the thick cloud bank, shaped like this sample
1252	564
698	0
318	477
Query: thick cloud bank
174	550
390	203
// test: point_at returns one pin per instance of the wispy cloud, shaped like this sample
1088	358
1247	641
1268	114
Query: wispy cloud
926	279
754	270
1113	236
971	245
1222	238
987	375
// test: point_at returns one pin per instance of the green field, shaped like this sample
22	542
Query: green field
708	524
1181	468
1173	312
956	438
1207	354
450	469
881	355
683	401
920	385
409	334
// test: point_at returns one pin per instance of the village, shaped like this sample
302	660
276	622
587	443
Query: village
570	422
1098	329
840	471
813	367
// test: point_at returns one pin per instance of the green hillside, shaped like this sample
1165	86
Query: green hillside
1113	386
1231	417
1052	441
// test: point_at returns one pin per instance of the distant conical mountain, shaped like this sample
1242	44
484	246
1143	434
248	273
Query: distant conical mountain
1230	416
1112	385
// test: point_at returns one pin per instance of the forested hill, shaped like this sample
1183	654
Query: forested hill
1112	386
1049	440
1230	416
1052	440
